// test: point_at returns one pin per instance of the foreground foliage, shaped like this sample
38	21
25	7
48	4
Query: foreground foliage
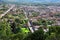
16	31
52	34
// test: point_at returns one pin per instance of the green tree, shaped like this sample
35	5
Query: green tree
5	30
54	33
37	35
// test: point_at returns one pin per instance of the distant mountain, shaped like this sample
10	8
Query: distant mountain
32	2
0	0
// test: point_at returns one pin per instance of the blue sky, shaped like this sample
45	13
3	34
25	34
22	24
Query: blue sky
36	1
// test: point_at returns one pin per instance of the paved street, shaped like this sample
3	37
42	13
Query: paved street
7	11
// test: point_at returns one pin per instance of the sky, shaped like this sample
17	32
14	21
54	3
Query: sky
34	1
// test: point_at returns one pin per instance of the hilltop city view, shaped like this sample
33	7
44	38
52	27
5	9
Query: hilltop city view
29	19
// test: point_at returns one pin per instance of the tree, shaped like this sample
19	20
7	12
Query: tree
54	33
5	30
35	14
37	35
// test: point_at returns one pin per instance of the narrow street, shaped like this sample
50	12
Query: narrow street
7	11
